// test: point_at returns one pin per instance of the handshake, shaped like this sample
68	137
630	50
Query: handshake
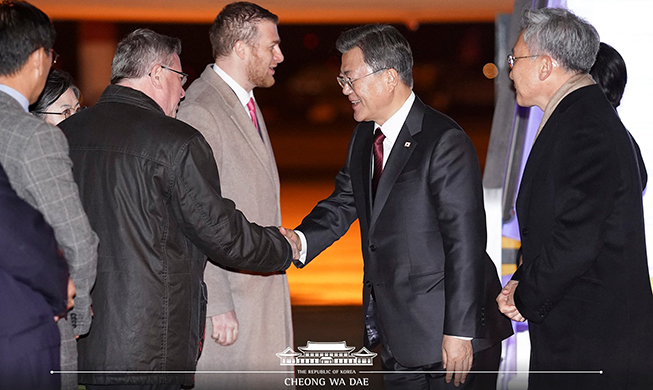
294	241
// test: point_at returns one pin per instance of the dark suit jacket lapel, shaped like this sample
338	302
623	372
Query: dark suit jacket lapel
401	151
360	168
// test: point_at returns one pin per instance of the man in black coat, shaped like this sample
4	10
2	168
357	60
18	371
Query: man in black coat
584	283
33	281
150	186
429	286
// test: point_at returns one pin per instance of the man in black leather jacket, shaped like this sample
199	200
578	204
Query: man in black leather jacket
150	186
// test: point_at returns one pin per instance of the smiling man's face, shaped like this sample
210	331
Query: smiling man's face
370	97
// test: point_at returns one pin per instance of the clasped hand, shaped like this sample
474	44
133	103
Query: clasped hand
293	239
506	302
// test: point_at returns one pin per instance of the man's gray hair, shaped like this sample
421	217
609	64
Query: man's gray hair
139	51
383	47
565	37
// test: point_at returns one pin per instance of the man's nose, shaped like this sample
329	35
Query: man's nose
278	56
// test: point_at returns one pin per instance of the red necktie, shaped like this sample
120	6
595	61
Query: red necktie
252	114
377	149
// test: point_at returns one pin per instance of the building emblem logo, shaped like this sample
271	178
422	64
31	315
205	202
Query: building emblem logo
335	353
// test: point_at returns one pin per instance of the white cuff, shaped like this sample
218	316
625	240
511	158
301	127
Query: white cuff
302	253
462	337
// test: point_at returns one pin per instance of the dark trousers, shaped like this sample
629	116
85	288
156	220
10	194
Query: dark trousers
486	360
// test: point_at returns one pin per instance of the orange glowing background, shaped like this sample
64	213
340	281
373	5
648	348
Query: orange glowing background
335	277
289	11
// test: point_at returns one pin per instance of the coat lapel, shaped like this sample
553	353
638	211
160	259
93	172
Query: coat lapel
532	164
361	171
401	152
240	118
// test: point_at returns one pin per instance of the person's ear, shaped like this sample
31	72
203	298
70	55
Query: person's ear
156	76
546	67
40	62
241	48
391	78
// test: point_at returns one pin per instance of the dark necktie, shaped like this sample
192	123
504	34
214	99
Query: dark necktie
377	150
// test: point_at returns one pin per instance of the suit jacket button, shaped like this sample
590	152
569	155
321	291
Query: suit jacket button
368	284
372	248
524	232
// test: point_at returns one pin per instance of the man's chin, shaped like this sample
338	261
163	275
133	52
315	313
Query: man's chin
522	103
359	118
267	83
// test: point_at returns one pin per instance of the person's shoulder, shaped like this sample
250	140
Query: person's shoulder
206	87
175	129
586	100
196	89
586	107
204	95
436	122
24	124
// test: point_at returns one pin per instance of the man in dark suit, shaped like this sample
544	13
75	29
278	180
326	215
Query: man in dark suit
583	284
33	280
415	186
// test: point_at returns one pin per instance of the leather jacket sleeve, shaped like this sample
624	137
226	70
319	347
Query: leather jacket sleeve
213	223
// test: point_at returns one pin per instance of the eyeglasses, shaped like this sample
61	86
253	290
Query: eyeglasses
68	112
512	59
346	81
54	55
184	76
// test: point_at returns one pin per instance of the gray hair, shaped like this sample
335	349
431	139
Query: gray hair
139	50
383	47
567	38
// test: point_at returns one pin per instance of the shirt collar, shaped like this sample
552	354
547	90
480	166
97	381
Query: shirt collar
393	125
240	92
22	100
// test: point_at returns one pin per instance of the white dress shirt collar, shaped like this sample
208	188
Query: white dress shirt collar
22	100
240	92
393	125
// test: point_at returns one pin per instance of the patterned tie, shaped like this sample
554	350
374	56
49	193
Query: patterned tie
378	159
252	114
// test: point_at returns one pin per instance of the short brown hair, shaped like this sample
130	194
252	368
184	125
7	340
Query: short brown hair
237	22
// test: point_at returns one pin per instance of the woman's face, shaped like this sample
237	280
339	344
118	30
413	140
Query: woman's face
67	105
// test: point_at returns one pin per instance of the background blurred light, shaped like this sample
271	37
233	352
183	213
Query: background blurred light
490	71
